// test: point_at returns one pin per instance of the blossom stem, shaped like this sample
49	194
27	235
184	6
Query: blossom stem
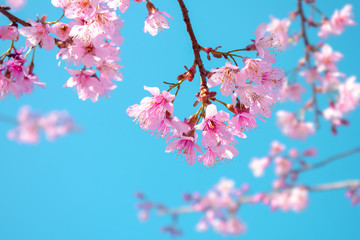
308	49
194	42
327	160
2	57
5	11
250	198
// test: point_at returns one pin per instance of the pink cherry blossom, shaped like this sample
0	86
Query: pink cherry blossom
282	166
16	4
226	76
30	124
338	21
86	84
155	21
214	128
326	58
258	165
310	75
186	145
293	128
61	30
276	148
9	33
280	27
152	110
264	43
38	33
293	92
349	95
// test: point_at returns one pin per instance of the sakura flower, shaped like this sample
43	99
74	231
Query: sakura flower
242	121
280	27
231	226
254	69
152	110
38	33
326	58
186	145
217	153
16	4
226	76
342	18
213	127
62	30
263	43
276	148
293	128
86	84
282	166
156	20
123	5
338	21
28	130
9	32
30	125
292	92
298	199
349	95
258	165
310	75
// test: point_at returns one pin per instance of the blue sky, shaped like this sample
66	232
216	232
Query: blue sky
82	186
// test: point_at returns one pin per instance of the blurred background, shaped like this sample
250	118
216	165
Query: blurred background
82	186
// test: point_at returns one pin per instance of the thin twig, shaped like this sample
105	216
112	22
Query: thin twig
194	42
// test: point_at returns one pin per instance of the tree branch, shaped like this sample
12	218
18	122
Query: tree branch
250	198
327	161
194	42
5	11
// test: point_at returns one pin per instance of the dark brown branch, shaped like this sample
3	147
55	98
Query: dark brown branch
308	49
327	161
5	11
194	42
250	198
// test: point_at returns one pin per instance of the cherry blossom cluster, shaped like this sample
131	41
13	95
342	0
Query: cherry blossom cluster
252	90
30	125
89	41
220	206
319	69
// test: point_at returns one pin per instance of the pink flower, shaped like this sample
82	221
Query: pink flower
186	145
231	226
30	125
16	4
226	76
298	199
152	110
325	60
123	5
292	92
254	69
258	165
79	9
86	84
276	148
214	128
156	20
242	121
263	43
217	153
349	95
310	75
38	33
28	130
280	27
282	166
338	21
293	128
61	30
9	32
